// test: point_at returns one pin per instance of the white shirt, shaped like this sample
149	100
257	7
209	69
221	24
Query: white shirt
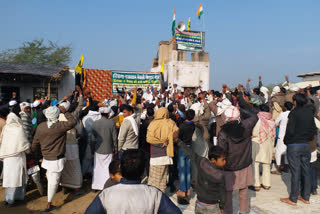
148	97
283	121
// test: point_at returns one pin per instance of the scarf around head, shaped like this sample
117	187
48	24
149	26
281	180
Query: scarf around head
267	126
161	130
52	114
13	139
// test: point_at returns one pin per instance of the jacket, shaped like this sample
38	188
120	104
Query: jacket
132	197
301	127
105	134
127	137
239	150
186	131
210	183
53	140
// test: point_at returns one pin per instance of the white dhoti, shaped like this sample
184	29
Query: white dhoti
71	174
54	169
280	150
14	177
100	170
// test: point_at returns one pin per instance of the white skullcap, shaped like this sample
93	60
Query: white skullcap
36	103
232	114
66	105
23	105
104	110
275	90
13	102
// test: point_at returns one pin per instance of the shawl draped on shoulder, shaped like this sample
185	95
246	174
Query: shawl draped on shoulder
161	130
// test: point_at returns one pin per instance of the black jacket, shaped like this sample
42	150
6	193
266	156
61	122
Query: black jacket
301	127
186	130
210	183
239	150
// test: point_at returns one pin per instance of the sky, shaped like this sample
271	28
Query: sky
244	38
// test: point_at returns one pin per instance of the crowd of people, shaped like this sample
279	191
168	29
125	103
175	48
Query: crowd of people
134	145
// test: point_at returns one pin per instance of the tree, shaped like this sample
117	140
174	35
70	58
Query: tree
37	51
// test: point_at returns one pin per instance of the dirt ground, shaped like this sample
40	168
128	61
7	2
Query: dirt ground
70	203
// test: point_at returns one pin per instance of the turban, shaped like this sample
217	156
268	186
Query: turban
232	114
23	105
275	90
104	110
52	114
54	102
66	105
256	101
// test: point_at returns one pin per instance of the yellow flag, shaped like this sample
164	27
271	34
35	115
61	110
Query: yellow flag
79	66
162	66
189	24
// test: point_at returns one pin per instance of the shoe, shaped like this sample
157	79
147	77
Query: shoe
253	188
183	200
48	210
314	192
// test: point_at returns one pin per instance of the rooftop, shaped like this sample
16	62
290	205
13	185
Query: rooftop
308	74
43	70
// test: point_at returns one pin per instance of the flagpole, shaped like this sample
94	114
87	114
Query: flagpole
203	26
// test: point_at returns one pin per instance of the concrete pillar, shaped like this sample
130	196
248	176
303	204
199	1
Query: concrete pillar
200	57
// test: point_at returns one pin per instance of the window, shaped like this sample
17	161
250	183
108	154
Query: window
43	92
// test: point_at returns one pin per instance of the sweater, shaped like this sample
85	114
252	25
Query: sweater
239	150
132	197
301	127
53	140
210	183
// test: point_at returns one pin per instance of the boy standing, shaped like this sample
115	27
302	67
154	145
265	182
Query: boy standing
210	184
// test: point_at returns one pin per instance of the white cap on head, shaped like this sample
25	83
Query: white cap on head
104	110
66	105
13	102
23	105
36	103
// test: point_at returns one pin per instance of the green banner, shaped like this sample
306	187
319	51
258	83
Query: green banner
130	80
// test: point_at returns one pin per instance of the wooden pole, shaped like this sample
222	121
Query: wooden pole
49	89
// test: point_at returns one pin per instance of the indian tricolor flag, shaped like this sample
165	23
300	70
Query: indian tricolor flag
174	22
200	11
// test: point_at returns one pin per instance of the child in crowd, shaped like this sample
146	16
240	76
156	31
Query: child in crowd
115	174
210	183
185	135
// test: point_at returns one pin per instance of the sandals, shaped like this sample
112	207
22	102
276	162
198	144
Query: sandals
265	187
253	188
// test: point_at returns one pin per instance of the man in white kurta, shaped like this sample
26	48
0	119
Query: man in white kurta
281	148
13	146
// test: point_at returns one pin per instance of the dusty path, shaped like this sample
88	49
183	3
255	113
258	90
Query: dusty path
261	202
